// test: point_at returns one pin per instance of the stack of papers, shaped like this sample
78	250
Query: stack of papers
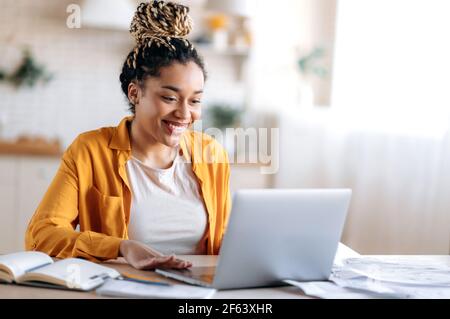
329	290
394	278
124	288
354	276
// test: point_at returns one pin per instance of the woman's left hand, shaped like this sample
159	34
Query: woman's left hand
143	257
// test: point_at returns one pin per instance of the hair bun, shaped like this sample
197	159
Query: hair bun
158	21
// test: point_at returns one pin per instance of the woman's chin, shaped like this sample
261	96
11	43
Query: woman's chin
172	140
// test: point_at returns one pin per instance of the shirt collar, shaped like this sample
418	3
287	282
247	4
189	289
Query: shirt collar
121	138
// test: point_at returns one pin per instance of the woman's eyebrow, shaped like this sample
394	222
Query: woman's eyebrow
177	90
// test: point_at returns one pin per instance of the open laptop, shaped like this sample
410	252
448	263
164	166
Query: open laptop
272	235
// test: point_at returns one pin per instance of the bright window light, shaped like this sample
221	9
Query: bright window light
392	65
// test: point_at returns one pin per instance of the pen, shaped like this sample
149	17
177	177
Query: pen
143	280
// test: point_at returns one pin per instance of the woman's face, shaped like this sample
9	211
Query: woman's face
168	104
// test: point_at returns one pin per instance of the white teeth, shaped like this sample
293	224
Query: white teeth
177	128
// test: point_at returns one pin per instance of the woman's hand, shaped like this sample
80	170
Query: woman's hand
143	257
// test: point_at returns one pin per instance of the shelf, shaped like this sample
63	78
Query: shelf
238	55
31	146
210	50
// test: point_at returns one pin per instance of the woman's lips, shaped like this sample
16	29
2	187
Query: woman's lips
175	128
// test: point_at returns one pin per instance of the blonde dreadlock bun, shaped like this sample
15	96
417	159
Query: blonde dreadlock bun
157	22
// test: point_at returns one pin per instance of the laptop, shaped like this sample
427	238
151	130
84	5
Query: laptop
273	235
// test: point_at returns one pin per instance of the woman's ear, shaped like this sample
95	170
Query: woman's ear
133	93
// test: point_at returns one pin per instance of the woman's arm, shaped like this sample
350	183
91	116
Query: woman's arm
52	228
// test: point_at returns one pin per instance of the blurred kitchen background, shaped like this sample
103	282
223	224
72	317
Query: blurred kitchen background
359	90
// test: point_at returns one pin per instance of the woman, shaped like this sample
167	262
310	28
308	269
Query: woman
148	188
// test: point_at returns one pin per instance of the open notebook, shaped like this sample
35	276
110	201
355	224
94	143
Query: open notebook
38	269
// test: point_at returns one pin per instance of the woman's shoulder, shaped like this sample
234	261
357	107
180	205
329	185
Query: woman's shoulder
204	138
207	145
93	140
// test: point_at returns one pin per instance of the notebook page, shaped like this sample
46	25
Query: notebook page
23	261
73	273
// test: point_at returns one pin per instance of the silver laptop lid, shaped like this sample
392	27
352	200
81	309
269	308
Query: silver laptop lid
276	234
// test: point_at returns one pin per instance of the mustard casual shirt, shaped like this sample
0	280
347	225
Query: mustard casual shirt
91	189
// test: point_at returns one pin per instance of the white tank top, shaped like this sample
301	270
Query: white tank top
167	209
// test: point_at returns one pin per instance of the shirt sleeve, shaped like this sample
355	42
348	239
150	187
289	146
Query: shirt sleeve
223	194
52	227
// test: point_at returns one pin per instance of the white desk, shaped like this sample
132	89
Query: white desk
284	292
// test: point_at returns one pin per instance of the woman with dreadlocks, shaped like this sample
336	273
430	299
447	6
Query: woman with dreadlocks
149	188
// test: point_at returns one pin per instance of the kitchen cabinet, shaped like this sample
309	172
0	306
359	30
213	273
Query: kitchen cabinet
34	175
23	182
8	172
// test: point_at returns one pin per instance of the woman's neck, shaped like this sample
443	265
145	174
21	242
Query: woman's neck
149	151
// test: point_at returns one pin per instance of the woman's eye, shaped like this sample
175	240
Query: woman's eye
169	98
196	102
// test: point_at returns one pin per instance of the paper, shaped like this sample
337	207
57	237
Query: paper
347	279
124	288
393	290
74	273
404	272
354	276
21	262
394	278
329	290
344	252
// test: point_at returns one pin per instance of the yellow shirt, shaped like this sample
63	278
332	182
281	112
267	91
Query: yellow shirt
91	189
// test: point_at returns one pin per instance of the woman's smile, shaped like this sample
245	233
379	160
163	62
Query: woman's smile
175	127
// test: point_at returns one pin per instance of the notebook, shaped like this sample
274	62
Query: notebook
38	269
123	288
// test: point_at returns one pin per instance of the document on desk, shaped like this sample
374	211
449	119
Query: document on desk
400	278
343	253
355	276
329	290
129	289
401	271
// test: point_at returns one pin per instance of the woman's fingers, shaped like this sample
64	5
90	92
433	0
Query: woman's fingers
143	257
173	262
179	264
163	262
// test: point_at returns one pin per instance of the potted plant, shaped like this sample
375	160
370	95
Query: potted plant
309	66
223	116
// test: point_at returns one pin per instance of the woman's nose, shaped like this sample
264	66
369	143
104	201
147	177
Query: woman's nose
182	110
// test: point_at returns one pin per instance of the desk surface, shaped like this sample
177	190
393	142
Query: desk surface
15	291
285	292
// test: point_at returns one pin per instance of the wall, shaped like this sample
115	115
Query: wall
85	93
400	182
317	28
285	30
